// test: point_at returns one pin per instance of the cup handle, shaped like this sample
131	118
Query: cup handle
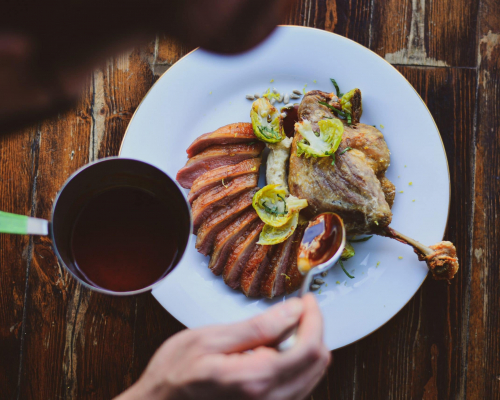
23	225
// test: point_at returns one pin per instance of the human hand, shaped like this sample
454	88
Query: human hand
212	362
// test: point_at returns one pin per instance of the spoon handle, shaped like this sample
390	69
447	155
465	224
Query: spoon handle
290	341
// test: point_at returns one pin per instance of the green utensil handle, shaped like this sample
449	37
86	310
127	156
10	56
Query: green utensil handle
23	225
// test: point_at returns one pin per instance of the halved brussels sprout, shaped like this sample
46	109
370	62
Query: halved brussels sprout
345	101
319	144
273	207
266	121
348	252
273	235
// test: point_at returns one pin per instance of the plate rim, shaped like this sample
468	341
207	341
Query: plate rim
393	68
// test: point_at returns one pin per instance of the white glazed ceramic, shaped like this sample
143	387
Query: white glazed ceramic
204	91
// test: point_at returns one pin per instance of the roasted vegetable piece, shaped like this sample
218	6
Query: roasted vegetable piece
272	206
266	121
351	103
319	144
273	235
348	251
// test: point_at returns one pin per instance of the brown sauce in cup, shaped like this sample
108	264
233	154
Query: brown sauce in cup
125	239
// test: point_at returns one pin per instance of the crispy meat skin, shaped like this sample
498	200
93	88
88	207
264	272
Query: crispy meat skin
254	270
239	132
226	238
273	280
220	219
351	187
240	252
294	278
215	176
219	196
215	157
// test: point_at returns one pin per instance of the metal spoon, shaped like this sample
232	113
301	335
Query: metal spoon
320	249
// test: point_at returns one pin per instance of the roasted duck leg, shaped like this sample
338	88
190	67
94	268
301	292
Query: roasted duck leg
441	258
354	185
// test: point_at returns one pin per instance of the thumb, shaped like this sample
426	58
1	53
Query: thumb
264	329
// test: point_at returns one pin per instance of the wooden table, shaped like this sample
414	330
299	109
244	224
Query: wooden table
59	340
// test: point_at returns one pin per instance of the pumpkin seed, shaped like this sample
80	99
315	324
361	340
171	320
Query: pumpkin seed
250	97
315	287
287	98
319	281
297	91
256	95
294	96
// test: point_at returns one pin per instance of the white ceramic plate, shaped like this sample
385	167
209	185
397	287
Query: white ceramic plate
204	91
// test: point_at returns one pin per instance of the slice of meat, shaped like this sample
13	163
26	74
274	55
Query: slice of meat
254	270
226	238
220	219
293	277
273	281
240	252
219	196
215	157
222	175
239	132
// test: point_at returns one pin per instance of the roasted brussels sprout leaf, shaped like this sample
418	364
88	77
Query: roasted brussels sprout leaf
319	144
273	207
346	103
273	235
266	121
348	251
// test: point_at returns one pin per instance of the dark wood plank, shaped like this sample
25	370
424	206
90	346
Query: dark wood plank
17	165
433	33
63	147
483	369
84	338
420	353
347	18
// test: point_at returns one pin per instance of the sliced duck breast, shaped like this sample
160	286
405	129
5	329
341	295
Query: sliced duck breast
222	175
240	252
226	238
239	132
254	270
215	157
273	281
293	277
220	219
219	196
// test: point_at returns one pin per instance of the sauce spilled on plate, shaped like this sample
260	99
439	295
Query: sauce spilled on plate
292	116
322	239
125	239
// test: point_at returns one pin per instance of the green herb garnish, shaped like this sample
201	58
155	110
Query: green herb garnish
344	114
273	134
346	149
336	87
361	239
271	210
343	269
285	211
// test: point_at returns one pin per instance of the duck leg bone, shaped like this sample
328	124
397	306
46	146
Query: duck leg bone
441	258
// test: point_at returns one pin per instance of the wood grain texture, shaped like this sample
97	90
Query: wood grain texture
425	32
58	340
17	166
483	373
